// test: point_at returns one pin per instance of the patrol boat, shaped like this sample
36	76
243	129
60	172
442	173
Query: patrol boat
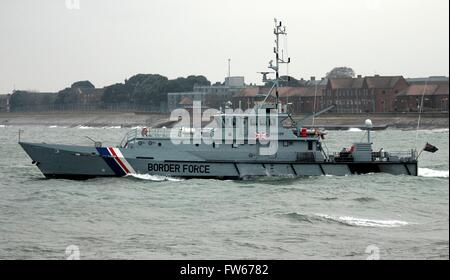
265	141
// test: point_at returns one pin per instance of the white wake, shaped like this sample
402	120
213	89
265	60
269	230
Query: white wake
427	172
155	178
354	129
363	222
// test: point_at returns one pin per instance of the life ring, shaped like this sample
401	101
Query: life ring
144	132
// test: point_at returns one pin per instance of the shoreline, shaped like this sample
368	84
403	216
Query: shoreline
135	119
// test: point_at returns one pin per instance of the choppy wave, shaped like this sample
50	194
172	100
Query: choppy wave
365	199
352	221
329	198
299	217
354	129
57	126
427	172
84	127
98	127
437	130
155	178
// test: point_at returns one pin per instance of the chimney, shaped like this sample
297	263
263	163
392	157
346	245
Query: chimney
313	78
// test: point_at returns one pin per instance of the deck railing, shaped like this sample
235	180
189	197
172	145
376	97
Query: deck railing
162	133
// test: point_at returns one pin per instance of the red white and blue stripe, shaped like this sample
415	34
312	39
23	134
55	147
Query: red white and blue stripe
116	161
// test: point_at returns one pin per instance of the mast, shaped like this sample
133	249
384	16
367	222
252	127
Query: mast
279	29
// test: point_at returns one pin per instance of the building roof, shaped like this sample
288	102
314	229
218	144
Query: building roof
431	79
379	82
442	89
382	81
248	92
282	91
345	83
428	90
185	101
319	83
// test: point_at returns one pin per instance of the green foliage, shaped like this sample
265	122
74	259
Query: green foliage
21	99
117	93
150	88
67	96
186	84
82	84
147	89
341	72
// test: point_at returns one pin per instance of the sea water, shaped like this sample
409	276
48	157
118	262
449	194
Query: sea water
155	217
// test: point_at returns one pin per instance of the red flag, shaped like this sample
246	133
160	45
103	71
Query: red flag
430	148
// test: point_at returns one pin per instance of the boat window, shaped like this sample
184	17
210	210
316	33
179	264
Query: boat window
287	143
159	144
310	145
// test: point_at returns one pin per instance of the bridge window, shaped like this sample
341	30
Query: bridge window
310	145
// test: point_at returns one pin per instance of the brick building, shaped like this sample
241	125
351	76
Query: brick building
349	95
374	94
384	90
435	98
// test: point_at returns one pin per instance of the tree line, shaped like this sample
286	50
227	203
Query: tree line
142	89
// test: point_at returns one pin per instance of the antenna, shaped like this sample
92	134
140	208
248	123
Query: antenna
278	30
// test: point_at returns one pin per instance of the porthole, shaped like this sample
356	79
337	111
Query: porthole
150	143
159	144
140	143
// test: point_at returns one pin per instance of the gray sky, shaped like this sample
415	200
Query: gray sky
45	46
